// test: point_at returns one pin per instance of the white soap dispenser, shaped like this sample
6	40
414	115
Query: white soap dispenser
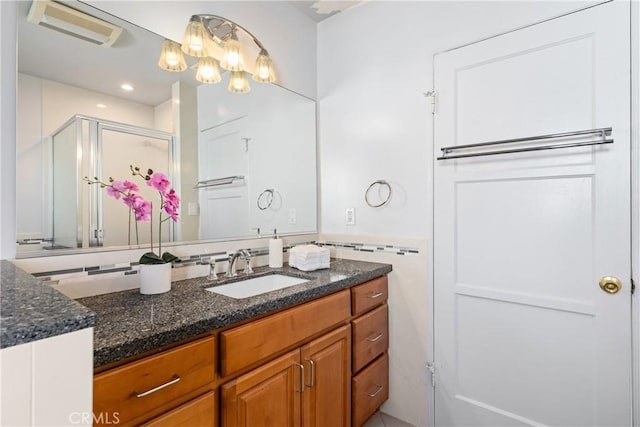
275	251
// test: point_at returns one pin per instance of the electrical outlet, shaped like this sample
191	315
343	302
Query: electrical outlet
292	216
193	208
351	216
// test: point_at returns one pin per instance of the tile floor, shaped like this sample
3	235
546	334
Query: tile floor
380	419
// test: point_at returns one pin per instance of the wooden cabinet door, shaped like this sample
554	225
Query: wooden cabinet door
199	412
267	396
327	395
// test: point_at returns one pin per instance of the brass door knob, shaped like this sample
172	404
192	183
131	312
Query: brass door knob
610	284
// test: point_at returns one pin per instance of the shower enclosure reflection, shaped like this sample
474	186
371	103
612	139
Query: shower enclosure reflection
84	216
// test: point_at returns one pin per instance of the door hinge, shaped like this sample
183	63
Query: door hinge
431	94
633	286
431	366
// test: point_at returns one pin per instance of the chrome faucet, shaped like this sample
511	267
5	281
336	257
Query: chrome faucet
245	255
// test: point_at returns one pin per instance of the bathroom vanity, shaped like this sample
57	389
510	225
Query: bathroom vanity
313	354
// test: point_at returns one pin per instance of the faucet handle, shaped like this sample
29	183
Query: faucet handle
212	269
247	266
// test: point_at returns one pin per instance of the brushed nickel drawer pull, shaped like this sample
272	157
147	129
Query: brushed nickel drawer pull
175	379
376	338
312	380
301	376
375	393
374	296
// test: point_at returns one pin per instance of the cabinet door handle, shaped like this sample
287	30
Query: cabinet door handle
174	380
375	393
301	377
312	380
376	295
376	338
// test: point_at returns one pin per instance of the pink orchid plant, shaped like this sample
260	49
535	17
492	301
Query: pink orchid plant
142	209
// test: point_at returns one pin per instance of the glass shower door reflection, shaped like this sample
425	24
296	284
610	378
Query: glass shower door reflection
66	198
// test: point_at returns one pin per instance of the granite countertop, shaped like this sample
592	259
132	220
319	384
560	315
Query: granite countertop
31	311
129	323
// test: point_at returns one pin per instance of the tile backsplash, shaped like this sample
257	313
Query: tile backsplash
103	272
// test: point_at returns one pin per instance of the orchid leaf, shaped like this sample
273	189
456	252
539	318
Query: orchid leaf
169	257
151	258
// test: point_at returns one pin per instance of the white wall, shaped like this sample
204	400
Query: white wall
288	34
375	61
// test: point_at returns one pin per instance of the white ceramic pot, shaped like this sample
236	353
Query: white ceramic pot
155	278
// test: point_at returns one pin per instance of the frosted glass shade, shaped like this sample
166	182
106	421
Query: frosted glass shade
231	56
263	71
208	71
193	42
171	57
238	82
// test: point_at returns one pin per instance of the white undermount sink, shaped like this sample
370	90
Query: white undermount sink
256	285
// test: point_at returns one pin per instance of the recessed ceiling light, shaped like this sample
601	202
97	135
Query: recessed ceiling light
101	106
127	87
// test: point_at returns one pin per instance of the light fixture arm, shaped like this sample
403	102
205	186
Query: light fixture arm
213	23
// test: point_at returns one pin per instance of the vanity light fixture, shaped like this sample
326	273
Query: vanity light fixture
171	58
238	82
208	71
212	38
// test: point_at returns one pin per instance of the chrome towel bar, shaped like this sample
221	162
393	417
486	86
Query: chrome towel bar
218	181
602	133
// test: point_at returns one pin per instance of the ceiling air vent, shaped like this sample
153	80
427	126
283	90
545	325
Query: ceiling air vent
73	22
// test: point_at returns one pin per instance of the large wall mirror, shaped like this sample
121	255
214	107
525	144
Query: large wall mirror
240	162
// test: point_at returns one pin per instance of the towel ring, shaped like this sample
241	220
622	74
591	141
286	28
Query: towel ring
269	201
373	184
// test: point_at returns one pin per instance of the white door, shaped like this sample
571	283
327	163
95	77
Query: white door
224	152
523	333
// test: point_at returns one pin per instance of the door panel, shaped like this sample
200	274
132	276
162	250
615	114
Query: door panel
327	400
267	396
523	333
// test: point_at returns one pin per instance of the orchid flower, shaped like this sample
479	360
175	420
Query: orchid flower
142	209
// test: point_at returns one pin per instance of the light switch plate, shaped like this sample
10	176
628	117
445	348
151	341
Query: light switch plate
293	216
351	216
193	209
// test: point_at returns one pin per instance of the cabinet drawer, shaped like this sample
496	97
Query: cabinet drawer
141	386
199	412
370	336
368	295
370	389
248	344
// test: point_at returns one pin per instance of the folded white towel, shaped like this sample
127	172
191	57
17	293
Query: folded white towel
309	257
309	266
309	251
